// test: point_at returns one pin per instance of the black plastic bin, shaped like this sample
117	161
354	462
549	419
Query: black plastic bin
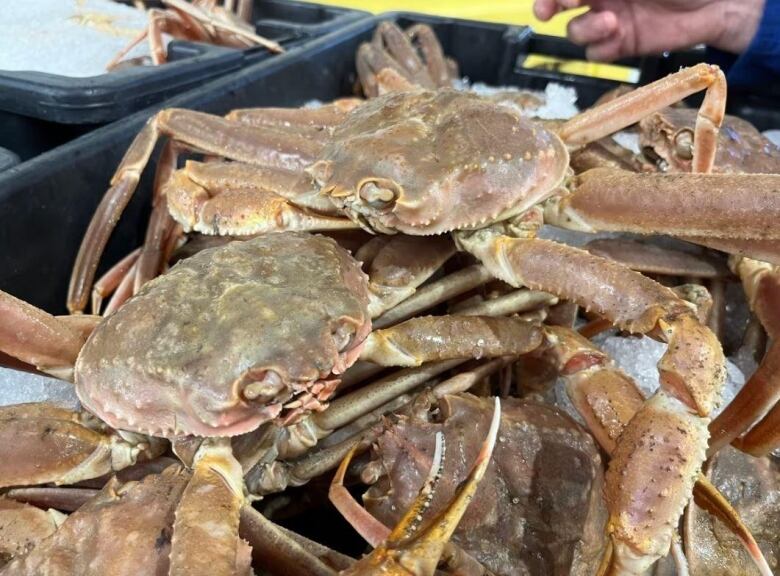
47	202
40	111
7	159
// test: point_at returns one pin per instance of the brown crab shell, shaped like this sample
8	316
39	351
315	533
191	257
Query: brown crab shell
741	148
449	159
124	530
178	357
539	508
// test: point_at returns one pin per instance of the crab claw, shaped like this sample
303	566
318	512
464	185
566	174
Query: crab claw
410	550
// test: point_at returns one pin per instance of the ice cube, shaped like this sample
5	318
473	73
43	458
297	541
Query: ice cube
17	387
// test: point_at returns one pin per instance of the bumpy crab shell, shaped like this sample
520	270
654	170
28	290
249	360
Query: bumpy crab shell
431	162
538	510
228	339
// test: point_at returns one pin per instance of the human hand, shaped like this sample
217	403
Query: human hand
614	29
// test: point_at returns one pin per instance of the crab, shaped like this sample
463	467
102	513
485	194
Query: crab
667	137
425	162
200	21
528	516
415	54
214	348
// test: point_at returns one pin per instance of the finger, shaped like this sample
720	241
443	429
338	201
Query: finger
607	50
546	9
592	27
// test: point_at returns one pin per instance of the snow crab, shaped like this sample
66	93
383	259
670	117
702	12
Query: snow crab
199	21
539	509
426	162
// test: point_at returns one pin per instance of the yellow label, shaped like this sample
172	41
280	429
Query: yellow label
582	68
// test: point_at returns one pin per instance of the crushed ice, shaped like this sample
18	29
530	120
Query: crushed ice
638	357
18	387
75	38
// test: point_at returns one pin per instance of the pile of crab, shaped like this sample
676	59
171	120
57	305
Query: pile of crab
223	23
351	288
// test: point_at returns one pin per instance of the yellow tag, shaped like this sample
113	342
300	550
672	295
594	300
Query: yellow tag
581	68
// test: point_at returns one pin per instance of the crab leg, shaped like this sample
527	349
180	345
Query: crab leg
216	177
512	303
38	338
435	293
327	116
241	212
225	32
401	265
423	36
205	532
59	498
276	551
764	250
109	282
759	400
370	61
692	373
653	259
196	130
607	399
630	108
674	204
45	444
123	292
152	259
390	38
430	338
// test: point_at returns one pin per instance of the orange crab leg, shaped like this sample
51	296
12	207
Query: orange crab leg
759	400
196	130
764	250
607	399
673	204
691	374
653	259
630	108
111	280
429	338
423	36
322	118
205	534
369	528
36	337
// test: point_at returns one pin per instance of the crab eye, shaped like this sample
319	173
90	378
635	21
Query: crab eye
343	335
683	144
265	389
379	194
